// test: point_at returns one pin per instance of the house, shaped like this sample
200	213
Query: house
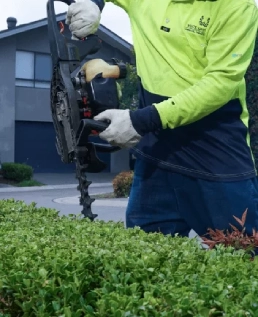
26	130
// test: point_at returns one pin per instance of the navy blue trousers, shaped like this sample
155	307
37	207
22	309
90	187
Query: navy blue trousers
170	203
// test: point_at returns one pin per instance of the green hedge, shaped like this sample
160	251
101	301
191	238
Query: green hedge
66	266
17	172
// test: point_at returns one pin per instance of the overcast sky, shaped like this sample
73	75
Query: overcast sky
26	11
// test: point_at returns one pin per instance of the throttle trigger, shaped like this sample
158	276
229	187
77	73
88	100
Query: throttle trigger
61	25
94	132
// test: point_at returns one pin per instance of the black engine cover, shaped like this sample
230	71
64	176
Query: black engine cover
102	94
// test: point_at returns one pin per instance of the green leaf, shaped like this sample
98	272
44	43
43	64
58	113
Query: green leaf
43	272
67	312
56	305
151	269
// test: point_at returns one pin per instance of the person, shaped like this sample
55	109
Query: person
194	166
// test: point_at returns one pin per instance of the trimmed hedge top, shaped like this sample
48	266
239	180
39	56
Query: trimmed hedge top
67	266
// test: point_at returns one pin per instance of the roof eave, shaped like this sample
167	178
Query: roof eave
117	40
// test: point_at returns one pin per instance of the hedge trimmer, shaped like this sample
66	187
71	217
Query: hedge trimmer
76	97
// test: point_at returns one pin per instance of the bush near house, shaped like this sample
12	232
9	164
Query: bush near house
67	266
122	184
17	172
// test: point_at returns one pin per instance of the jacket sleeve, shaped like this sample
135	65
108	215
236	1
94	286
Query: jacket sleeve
124	4
229	52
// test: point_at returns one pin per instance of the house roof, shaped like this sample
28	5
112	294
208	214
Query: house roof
106	34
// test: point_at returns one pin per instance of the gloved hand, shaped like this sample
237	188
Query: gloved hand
83	18
120	132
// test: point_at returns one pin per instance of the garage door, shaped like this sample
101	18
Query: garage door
35	146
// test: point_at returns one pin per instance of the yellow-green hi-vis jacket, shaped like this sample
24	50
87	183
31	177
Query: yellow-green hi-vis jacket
191	58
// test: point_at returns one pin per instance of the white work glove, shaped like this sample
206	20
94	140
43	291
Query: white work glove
83	18
120	132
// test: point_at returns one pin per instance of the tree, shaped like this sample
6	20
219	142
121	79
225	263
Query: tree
252	101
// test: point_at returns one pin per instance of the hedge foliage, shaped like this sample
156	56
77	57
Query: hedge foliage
17	172
67	266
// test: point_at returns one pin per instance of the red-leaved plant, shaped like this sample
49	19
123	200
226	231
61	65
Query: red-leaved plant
235	238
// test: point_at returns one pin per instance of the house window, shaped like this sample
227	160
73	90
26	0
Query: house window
33	69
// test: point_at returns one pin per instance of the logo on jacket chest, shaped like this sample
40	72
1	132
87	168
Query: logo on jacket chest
199	29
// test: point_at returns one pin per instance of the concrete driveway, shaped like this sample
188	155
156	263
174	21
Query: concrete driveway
64	198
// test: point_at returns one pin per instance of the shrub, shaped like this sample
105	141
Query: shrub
17	172
236	237
68	266
122	184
